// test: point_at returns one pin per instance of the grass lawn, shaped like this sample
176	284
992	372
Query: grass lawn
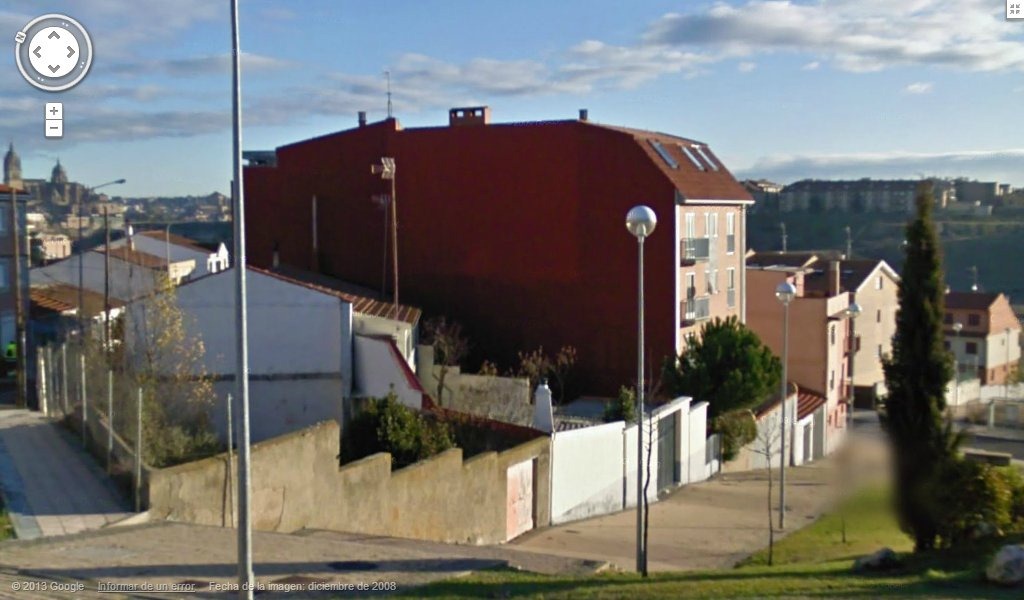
811	563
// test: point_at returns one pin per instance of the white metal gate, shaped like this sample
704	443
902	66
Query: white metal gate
519	501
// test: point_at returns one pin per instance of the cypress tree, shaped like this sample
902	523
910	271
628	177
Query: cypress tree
916	375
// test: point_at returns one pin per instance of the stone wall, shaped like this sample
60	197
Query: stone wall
298	484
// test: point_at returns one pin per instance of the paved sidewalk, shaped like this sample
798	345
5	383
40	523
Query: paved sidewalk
49	485
710	525
175	553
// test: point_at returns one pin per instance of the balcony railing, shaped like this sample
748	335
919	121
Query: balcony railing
695	310
692	250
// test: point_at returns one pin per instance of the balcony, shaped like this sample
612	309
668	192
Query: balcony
695	310
693	250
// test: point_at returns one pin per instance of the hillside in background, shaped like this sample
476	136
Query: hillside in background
995	244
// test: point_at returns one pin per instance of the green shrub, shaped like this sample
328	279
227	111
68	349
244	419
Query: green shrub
738	428
623	408
971	499
386	425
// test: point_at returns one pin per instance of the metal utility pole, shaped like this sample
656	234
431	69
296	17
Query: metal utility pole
19	308
785	292
106	281
81	272
138	451
245	574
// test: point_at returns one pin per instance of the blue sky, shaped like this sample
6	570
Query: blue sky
782	90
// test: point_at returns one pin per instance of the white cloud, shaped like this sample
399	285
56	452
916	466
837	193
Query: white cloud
919	87
811	66
855	35
746	66
999	165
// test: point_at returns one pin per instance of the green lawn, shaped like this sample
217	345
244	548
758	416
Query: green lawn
811	563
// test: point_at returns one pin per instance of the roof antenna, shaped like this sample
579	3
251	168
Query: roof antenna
387	74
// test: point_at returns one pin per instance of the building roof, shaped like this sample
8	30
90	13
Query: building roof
365	305
136	257
971	300
781	259
175	239
63	297
807	402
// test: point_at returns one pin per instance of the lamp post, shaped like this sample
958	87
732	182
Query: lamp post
852	312
81	256
640	222
785	292
1006	370
957	328
245	574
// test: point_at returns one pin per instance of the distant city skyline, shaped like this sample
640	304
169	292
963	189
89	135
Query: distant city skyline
780	90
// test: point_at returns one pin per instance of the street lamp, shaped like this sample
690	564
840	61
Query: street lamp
81	255
957	328
640	221
785	292
852	312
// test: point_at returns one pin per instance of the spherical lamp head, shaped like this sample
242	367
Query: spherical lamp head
640	221
785	292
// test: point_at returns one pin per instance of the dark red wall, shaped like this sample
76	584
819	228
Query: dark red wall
517	231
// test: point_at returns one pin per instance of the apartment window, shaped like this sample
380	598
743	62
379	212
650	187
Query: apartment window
832	380
974	319
4	281
878	316
4	219
691	286
972	347
711	225
690	225
711	276
663	153
730	232
832	335
879	283
730	283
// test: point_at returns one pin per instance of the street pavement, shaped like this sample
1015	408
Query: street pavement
717	523
50	485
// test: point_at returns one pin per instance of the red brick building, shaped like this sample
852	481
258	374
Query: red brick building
516	230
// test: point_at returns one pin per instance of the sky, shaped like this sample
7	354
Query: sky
779	89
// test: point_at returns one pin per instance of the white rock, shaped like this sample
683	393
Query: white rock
1007	566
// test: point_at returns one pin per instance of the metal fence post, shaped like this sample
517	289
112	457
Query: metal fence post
231	470
41	387
138	452
110	419
64	376
85	400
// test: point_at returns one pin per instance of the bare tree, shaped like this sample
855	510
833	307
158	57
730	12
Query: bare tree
450	348
560	367
769	436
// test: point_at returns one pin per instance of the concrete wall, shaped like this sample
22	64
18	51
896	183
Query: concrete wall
297	484
280	407
505	399
586	470
380	369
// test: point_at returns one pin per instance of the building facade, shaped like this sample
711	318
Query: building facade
861	195
819	327
988	344
516	230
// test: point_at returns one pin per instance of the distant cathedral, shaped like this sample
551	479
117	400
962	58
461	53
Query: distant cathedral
57	194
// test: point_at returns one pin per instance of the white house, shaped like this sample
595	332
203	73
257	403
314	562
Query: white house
178	248
133	273
305	354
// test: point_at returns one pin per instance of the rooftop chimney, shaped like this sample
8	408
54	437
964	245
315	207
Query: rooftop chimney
362	118
471	115
584	114
834	274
